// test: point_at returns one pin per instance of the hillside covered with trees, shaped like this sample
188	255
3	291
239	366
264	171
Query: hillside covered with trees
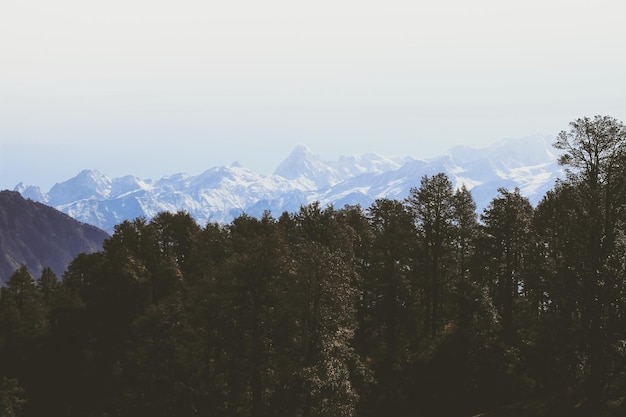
419	307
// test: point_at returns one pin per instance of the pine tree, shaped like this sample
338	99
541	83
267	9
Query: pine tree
508	235
465	235
432	206
594	156
322	302
390	304
23	316
48	286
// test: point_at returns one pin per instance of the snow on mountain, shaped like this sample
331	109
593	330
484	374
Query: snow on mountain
221	193
32	192
308	170
302	164
127	185
87	185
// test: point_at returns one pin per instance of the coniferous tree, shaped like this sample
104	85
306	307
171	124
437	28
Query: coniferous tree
147	262
23	329
253	268
390	303
465	235
22	314
209	294
433	209
560	234
594	154
323	298
508	235
48	286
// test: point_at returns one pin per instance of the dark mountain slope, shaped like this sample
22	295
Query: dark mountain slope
39	236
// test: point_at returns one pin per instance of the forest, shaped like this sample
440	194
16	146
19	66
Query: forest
420	307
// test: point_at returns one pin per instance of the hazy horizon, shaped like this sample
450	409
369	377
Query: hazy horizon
152	89
49	181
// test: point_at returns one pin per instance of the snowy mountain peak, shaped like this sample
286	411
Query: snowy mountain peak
31	191
87	184
301	149
299	161
221	193
304	165
21	187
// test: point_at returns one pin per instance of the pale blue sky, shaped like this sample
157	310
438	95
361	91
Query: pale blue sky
153	88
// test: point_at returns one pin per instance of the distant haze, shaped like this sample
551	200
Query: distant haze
152	88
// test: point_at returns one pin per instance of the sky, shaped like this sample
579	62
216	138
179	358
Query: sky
153	88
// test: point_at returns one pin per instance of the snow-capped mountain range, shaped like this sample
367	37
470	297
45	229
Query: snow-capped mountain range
222	193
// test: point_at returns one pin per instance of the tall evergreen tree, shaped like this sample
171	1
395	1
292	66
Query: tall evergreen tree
48	286
465	235
389	302
594	156
23	316
323	301
508	235
561	241
432	205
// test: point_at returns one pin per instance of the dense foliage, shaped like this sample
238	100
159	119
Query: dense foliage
406	308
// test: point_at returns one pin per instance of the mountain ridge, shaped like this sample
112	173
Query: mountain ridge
221	193
40	236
